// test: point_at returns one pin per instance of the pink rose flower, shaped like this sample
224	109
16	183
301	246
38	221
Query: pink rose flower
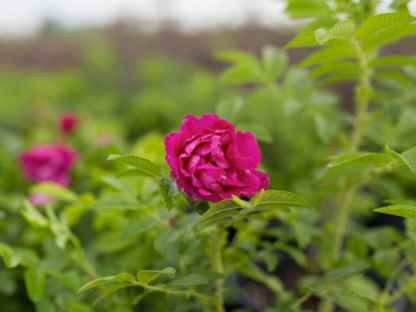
211	161
51	163
68	122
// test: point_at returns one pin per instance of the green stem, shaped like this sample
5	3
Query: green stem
398	294
362	95
389	284
169	291
217	266
301	300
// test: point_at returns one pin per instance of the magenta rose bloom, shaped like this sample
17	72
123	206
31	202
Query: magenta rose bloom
51	163
68	122
211	161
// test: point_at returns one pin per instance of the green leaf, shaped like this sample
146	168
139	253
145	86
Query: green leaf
169	192
270	200
10	256
193	279
395	60
228	109
395	75
201	206
389	35
54	190
140	297
139	163
240	74
399	210
374	159
254	201
385	260
296	254
329	54
133	173
343	273
320	35
322	22
260	132
270	259
382	237
357	247
116	201
401	201
164	238
343	30
340	78
237	57
33	216
334	67
35	283
138	226
148	276
123	277
110	290
304	40
242	203
370	299
307	8
376	24
408	157
274	61
120	185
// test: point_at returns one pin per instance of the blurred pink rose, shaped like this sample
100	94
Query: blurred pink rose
211	161
48	163
68	122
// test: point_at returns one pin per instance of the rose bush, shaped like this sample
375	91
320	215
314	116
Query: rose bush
211	161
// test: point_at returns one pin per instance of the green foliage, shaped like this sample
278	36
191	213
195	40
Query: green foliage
169	192
103	280
35	283
139	163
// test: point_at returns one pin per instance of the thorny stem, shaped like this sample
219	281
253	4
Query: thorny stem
362	95
217	266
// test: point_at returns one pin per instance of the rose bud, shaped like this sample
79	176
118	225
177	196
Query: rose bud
68	122
211	161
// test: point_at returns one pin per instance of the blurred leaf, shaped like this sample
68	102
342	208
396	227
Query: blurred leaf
408	157
343	273
228	109
296	254
320	35
385	260
138	226
169	192
396	75
35	283
274	61
343	30
165	237
45	305
382	237
236	56
33	216
376	24
329	54
340	78
54	190
110	290
307	8
201	206
115	278
140	163
334	67
350	304
120	185
395	60
115	201
389	35
304	40
357	247
10	256
260	132
239	74
374	159
8	283
270	259
322	22
148	276
193	279
325	128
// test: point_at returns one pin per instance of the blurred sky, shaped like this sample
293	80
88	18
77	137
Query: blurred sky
23	17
